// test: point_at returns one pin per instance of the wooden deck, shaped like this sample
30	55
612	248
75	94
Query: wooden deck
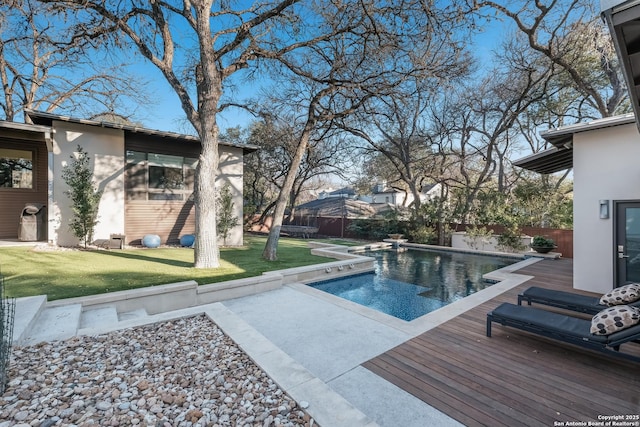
513	378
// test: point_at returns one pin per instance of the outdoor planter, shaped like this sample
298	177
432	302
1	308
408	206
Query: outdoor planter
542	245
543	249
151	241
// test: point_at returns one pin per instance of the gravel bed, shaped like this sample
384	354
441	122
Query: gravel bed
179	373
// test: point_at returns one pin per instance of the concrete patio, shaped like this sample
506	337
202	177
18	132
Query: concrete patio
311	343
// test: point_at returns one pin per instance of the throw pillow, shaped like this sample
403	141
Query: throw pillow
622	295
614	319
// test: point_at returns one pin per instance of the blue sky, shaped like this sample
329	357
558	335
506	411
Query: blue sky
166	113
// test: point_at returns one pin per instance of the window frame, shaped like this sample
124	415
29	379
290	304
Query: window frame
153	194
34	172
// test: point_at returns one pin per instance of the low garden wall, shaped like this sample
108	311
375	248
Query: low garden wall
175	296
461	240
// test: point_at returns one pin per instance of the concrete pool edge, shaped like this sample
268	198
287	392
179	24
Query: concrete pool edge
505	279
326	406
175	296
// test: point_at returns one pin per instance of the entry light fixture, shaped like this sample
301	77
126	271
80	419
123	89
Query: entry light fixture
604	209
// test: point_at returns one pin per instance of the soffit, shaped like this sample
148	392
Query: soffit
548	161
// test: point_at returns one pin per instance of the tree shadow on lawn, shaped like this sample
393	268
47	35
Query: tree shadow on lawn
141	257
77	286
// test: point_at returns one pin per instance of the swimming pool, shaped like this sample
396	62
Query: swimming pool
409	284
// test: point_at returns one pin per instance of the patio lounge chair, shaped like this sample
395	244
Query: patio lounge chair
563	328
566	300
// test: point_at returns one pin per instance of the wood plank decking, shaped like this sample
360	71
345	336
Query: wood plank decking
513	378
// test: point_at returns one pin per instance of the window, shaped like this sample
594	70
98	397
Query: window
16	168
152	176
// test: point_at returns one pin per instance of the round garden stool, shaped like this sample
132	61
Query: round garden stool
188	240
151	241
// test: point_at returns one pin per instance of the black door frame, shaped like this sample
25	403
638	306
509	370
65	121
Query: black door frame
619	233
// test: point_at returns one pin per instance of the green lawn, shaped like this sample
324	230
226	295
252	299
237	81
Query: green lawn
65	274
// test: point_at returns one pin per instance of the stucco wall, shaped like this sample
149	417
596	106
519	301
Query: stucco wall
105	148
605	168
231	172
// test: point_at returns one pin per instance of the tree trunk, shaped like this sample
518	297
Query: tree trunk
209	84
207	254
271	248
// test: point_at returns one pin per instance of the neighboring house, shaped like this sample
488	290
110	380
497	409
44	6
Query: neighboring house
342	193
335	207
381	193
146	176
604	155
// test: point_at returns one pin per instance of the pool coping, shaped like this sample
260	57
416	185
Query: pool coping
505	278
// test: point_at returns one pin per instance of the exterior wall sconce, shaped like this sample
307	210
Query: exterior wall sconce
604	209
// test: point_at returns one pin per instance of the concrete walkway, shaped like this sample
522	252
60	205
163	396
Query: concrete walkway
330	338
331	342
311	343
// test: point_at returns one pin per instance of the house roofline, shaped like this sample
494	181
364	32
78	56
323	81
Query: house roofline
560	136
24	127
42	117
560	156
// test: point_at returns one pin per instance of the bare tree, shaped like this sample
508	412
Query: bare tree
267	168
199	47
394	127
571	37
44	68
382	46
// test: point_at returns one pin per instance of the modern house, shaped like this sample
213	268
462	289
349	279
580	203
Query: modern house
606	198
146	177
604	155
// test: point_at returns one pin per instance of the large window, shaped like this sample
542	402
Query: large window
153	176
16	168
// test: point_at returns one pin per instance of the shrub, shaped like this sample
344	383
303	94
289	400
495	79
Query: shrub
477	235
422	234
510	239
84	197
226	215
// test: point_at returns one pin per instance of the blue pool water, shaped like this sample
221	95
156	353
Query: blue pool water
413	283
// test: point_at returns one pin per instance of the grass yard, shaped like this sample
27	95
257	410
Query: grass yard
66	274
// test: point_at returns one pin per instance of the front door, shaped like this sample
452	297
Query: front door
627	242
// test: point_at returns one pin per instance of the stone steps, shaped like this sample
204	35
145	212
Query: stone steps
38	322
98	316
27	311
54	323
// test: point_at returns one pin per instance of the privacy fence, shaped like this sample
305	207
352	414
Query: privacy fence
339	227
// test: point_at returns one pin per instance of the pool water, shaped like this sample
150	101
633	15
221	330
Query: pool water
409	284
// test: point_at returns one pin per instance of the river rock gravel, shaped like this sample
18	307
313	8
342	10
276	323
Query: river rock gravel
184	372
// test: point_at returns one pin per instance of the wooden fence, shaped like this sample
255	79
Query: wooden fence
339	227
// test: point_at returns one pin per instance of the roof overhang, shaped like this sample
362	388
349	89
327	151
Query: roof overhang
623	19
46	119
560	157
563	136
25	127
548	161
26	131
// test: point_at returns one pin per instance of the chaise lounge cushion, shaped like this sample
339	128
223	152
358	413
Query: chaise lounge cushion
614	319
622	295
